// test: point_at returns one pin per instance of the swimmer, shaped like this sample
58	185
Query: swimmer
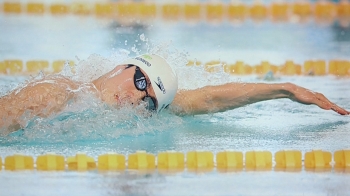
148	80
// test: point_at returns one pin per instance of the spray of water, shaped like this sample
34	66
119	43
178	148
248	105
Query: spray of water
88	118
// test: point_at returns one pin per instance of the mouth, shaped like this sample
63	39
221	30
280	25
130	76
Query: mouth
120	101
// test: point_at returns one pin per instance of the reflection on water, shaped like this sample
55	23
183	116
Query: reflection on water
341	34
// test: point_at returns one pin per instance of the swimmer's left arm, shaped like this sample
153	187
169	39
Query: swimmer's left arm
211	99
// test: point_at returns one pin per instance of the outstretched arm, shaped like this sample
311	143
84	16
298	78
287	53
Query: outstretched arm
210	99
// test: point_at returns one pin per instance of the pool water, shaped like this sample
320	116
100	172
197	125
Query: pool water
94	129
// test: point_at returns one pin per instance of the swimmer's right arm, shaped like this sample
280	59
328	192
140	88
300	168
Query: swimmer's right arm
35	99
10	112
7	122
211	99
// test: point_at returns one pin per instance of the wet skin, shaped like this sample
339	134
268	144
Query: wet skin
50	95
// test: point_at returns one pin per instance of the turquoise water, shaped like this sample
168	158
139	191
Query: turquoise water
272	125
91	127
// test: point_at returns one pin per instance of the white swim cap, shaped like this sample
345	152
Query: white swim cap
161	75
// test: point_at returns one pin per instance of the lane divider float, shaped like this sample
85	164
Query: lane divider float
285	160
309	67
211	12
16	66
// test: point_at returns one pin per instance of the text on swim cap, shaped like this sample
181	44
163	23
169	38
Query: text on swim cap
160	85
144	61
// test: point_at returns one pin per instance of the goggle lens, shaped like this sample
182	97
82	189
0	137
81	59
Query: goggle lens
141	85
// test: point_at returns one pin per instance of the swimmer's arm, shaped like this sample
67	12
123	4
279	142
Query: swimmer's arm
211	99
9	114
38	99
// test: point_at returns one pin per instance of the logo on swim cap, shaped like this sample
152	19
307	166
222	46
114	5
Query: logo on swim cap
164	106
144	61
160	85
146	56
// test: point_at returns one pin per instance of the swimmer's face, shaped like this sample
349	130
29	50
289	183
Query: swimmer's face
118	86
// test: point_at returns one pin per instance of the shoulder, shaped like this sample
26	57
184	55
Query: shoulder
186	101
179	103
55	81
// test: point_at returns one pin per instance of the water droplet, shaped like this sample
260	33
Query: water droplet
143	37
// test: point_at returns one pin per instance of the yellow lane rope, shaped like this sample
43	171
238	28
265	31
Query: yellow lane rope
309	67
131	11
285	160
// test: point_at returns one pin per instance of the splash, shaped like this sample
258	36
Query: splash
88	118
92	123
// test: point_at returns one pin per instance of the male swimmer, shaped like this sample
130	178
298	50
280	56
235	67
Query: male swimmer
148	80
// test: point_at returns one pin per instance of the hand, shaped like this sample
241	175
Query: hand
306	96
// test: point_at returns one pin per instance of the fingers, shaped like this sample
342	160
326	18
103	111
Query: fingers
340	110
324	103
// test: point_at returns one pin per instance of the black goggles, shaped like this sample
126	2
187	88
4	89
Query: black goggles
141	84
